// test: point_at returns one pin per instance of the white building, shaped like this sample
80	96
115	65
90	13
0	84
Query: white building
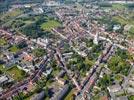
95	41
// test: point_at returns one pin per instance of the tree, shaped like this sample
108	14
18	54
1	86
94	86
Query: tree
39	52
22	45
105	81
1	72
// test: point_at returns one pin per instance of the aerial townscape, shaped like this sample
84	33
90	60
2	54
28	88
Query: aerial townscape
66	49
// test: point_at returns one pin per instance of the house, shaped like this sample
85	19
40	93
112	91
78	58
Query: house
52	3
67	55
61	74
61	81
27	57
48	71
116	27
60	95
19	40
1	89
114	88
103	98
41	42
130	90
38	96
38	10
122	98
3	79
131	82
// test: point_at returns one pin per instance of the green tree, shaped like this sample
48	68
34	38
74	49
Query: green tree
39	52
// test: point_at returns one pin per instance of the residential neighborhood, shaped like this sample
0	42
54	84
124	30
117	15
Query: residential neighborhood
66	50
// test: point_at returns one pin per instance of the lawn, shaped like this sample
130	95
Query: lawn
3	42
50	24
131	31
118	6
12	14
8	17
14	49
39	52
118	78
89	62
120	20
131	97
2	68
16	73
123	20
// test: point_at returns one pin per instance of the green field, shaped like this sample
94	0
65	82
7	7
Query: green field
50	24
2	68
126	21
3	42
12	14
123	20
120	20
16	73
14	49
131	97
131	33
131	30
118	6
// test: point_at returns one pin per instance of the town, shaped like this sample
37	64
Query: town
67	50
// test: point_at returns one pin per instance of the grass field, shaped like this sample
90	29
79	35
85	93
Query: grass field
16	73
2	68
12	14
126	21
120	20
118	6
8	17
131	33
132	30
50	24
14	49
3	42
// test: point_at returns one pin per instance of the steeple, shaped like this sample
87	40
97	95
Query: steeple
96	38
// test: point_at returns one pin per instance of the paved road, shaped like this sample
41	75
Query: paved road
60	59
